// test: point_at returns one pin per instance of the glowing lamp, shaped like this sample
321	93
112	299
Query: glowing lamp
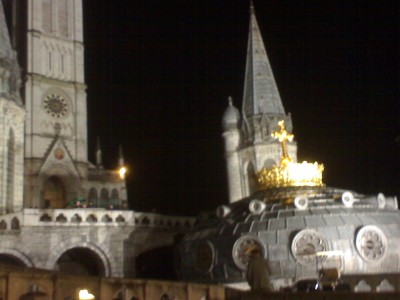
122	172
85	295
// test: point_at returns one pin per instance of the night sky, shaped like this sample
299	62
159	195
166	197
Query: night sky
159	74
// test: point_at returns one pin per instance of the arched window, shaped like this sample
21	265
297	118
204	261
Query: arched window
252	180
63	17
103	198
10	171
54	193
15	224
47	16
114	201
93	198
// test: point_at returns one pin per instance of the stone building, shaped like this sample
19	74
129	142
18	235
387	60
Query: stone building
283	208
58	211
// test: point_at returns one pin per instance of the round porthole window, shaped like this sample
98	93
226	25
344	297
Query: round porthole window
242	248
307	244
371	243
56	106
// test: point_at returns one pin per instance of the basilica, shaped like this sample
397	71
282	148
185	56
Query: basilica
58	210
61	212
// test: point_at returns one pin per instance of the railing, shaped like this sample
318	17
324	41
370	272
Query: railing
91	217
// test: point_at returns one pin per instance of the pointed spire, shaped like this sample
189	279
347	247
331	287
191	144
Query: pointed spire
261	95
99	155
121	160
122	168
5	44
9	68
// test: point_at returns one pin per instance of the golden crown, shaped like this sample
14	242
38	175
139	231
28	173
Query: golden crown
289	173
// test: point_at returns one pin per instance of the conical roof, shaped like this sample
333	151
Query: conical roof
261	95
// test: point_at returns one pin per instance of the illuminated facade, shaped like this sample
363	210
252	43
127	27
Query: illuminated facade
58	211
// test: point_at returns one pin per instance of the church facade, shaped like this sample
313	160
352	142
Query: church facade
58	211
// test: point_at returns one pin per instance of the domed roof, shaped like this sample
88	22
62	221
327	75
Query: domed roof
231	117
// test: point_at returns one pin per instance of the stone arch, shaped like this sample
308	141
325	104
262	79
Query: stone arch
103	254
15	225
64	179
18	255
250	178
269	163
54	192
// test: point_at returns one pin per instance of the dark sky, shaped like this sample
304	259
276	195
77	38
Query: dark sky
159	74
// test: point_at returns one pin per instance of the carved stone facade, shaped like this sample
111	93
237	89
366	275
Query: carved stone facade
58	211
299	229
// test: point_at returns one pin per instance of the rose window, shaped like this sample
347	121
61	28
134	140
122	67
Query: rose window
307	244
242	248
56	106
371	243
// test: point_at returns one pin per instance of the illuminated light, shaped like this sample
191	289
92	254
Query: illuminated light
289	173
85	295
122	172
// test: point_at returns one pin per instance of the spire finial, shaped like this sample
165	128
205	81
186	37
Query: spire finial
122	168
251	7
99	155
230	101
121	160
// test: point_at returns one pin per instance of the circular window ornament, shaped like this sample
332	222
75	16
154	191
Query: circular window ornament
301	202
307	244
56	106
371	243
59	153
203	256
348	199
241	250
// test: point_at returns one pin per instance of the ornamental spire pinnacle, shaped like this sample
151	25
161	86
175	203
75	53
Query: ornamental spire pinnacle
9	68
261	95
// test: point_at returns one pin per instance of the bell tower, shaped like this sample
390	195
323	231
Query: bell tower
49	37
249	146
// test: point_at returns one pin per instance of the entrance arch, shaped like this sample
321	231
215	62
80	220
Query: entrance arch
10	260
101	255
80	261
14	257
54	194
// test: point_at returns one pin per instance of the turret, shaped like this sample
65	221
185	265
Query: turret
99	154
231	135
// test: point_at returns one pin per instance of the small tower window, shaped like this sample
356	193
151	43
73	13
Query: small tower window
62	63
50	58
10	171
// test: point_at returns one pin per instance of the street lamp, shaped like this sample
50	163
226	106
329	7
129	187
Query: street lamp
85	295
122	172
